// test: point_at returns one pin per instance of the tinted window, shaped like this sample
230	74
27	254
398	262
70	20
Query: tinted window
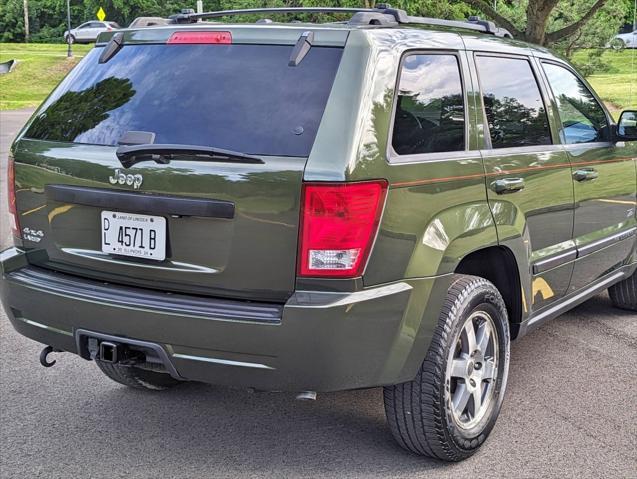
430	108
238	97
582	118
513	105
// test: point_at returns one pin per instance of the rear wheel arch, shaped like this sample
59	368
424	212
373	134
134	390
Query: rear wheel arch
498	264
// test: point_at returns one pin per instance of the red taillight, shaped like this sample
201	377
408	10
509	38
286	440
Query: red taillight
338	226
13	211
222	38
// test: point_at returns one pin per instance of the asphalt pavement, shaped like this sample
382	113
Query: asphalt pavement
570	411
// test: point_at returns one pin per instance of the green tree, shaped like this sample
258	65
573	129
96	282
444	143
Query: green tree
546	22
551	22
87	107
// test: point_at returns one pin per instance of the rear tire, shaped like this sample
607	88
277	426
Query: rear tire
136	377
450	408
624	294
617	44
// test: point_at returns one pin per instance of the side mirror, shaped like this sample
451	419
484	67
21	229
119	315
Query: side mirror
627	126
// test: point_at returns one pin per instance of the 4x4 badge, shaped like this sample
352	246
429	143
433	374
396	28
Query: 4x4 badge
119	177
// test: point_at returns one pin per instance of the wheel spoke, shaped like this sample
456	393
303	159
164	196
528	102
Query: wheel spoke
483	336
488	369
469	334
460	399
477	400
459	368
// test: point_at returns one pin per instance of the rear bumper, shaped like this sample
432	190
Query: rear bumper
316	341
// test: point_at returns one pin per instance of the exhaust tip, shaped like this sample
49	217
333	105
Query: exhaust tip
306	396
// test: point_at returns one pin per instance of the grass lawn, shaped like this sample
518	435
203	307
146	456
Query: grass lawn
614	86
42	66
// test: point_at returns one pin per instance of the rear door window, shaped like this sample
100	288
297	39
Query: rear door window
237	97
430	113
513	105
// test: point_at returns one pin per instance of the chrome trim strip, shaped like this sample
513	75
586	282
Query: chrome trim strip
44	326
317	299
225	362
554	261
602	243
107	258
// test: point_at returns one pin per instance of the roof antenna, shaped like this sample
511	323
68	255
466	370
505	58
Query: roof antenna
302	47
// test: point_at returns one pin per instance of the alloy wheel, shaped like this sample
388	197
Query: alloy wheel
472	370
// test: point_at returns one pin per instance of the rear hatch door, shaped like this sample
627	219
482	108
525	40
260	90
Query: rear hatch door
206	224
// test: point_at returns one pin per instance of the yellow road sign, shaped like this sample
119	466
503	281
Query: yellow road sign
101	14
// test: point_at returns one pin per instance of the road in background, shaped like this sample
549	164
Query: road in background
570	411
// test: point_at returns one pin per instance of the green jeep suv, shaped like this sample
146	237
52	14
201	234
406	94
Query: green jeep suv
383	201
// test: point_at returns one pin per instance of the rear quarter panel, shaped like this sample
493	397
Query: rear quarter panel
436	210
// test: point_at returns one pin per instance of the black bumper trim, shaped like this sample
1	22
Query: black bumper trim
141	202
158	301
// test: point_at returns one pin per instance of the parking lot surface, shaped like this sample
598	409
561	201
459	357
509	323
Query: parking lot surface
570	411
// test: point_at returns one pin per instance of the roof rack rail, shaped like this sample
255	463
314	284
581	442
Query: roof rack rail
382	14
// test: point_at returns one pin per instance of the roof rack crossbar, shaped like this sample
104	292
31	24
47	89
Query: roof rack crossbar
474	23
400	16
188	18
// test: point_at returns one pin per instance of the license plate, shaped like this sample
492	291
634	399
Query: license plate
128	234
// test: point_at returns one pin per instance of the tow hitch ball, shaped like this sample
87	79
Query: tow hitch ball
45	352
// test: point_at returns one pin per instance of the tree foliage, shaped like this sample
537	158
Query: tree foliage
557	22
566	24
87	107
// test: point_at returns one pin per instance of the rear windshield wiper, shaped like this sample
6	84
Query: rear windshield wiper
130	155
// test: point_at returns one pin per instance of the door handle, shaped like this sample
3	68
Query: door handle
585	174
507	185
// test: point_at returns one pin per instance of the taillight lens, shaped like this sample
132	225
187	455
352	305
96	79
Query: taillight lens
13	211
338	226
189	38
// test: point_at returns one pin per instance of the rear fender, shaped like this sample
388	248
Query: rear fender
513	233
449	236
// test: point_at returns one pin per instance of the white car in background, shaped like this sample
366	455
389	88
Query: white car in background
88	32
624	40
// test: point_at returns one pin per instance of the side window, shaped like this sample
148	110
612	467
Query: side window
430	113
583	119
512	102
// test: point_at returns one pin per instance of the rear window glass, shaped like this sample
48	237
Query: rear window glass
237	97
430	106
